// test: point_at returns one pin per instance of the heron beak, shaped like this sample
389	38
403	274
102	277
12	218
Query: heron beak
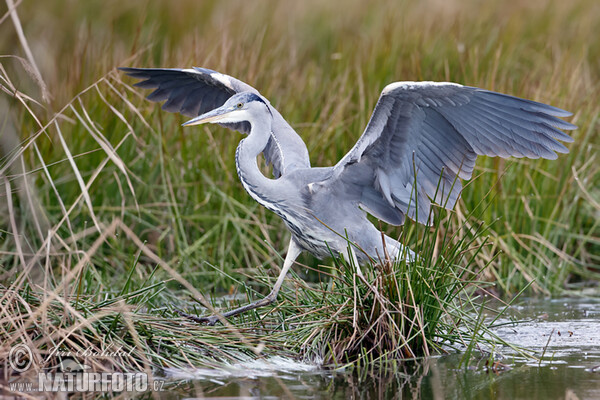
211	117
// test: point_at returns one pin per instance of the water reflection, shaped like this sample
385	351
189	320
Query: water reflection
439	378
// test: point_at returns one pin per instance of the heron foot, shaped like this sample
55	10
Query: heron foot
210	321
213	319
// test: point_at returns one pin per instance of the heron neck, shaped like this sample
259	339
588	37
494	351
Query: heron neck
256	184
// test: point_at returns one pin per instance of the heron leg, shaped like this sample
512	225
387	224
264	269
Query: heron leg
293	251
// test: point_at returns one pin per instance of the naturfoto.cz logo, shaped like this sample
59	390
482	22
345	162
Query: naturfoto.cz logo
74	376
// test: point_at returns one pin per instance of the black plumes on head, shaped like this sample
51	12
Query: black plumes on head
250	97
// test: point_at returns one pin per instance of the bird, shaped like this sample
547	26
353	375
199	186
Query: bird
421	140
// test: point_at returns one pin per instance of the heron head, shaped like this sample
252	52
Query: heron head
237	108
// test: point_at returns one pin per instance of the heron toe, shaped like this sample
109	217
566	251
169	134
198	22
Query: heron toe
211	321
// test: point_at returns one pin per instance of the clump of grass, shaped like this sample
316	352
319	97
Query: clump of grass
398	310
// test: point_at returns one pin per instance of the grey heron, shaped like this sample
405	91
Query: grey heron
422	138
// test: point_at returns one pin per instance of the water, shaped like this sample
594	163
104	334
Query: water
568	330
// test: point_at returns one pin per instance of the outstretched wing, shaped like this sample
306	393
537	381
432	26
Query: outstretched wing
195	91
430	134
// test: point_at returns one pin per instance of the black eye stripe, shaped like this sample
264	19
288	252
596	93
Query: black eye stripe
250	97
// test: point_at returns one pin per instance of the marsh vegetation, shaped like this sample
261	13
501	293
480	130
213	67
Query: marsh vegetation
112	217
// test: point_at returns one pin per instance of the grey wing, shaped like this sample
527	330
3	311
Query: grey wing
423	136
195	91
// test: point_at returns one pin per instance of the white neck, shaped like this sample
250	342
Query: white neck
256	184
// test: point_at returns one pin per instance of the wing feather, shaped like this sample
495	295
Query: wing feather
434	132
525	128
192	92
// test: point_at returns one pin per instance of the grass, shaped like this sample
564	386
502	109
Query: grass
401	311
112	216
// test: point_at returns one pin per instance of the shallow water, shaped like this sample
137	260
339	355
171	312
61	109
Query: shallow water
568	330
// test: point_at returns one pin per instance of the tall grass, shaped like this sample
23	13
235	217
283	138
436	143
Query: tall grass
111	215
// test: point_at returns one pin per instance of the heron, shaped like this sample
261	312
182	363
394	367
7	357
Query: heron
421	140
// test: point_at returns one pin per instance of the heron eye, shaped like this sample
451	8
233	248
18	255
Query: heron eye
240	105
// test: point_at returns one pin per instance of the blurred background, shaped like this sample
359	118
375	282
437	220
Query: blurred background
82	148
